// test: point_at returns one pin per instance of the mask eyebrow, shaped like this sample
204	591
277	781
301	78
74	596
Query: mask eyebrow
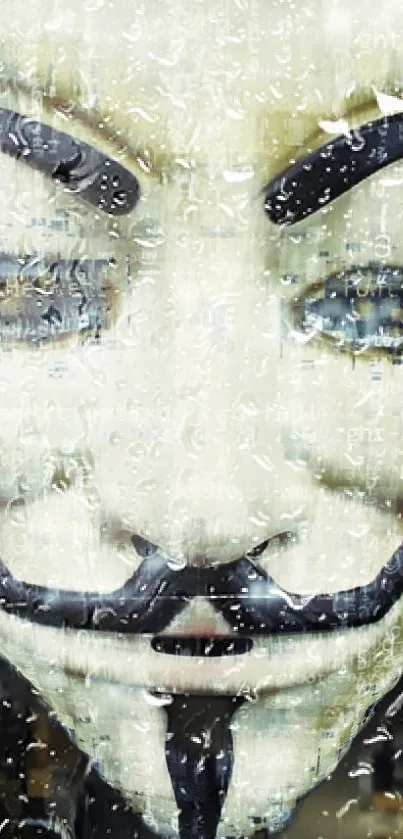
83	170
328	172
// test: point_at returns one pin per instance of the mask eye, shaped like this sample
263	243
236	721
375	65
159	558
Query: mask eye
355	311
41	299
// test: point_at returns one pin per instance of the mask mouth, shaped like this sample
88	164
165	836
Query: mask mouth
204	646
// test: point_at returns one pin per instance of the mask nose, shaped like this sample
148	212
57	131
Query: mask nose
196	462
207	558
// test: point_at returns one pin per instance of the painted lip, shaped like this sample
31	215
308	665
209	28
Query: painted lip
249	601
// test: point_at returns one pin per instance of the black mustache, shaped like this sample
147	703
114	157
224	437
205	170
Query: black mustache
249	600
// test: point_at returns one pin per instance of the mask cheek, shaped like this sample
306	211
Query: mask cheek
57	542
266	799
124	732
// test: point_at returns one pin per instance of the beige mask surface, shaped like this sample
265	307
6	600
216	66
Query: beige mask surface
199	414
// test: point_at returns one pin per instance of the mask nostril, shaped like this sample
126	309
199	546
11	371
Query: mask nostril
143	547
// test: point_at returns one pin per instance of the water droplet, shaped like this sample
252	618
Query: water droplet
356	141
120	197
156	699
193	438
147	487
330	126
93	5
263	460
237	176
251	696
176	564
16	512
247	405
114	438
136	451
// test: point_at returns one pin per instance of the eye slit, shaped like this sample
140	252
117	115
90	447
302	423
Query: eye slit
43	299
354	311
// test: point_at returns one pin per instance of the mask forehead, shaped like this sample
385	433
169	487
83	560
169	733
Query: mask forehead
221	64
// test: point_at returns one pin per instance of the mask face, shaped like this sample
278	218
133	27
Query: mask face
200	419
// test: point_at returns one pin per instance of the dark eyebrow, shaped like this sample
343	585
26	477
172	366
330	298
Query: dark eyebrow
330	171
81	169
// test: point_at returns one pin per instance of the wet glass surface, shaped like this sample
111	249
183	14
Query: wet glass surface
48	788
201	426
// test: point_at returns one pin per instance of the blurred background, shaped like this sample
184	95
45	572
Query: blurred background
48	788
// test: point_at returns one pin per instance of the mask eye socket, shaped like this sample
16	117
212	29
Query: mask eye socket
356	311
42	300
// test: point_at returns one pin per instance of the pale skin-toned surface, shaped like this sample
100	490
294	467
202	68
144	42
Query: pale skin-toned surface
199	421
